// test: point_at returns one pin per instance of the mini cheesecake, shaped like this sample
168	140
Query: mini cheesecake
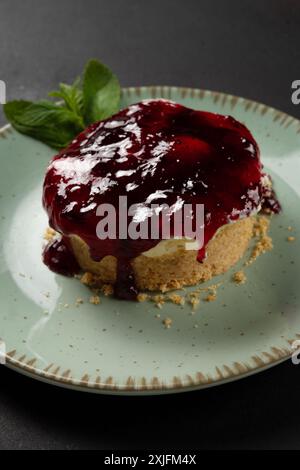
155	151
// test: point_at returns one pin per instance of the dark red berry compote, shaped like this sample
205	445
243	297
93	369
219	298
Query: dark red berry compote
154	151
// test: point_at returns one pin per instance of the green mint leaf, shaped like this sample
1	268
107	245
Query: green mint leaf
72	97
101	92
46	121
57	124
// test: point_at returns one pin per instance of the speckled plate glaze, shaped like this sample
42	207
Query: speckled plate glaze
122	347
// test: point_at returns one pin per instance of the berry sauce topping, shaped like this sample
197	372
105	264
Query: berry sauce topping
58	256
153	152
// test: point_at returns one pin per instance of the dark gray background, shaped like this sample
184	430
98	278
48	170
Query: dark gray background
249	48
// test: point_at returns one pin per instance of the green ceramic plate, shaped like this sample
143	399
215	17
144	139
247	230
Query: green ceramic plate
122	347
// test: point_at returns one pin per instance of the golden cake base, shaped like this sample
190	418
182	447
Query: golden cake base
178	268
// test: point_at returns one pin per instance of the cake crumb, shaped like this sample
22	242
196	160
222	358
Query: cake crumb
87	279
290	228
107	289
265	241
167	322
163	288
194	299
263	245
211	297
176	299
95	300
159	300
211	288
142	297
79	301
49	234
239	277
194	302
261	226
291	239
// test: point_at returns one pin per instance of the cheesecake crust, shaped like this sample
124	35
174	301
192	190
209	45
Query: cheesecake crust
177	269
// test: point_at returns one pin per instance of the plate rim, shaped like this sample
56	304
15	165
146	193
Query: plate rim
237	370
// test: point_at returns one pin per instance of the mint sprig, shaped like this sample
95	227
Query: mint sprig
101	92
52	124
95	97
72	97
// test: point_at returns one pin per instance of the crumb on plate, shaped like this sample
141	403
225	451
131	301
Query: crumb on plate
239	277
167	322
95	299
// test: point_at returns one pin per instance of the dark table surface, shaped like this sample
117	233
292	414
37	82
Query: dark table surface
249	48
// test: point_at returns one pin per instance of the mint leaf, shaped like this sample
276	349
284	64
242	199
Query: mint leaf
57	124
46	121
72	97
101	92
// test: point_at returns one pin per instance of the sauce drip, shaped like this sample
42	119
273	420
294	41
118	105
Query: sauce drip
153	152
58	256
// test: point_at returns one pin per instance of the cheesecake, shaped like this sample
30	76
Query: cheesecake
161	157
